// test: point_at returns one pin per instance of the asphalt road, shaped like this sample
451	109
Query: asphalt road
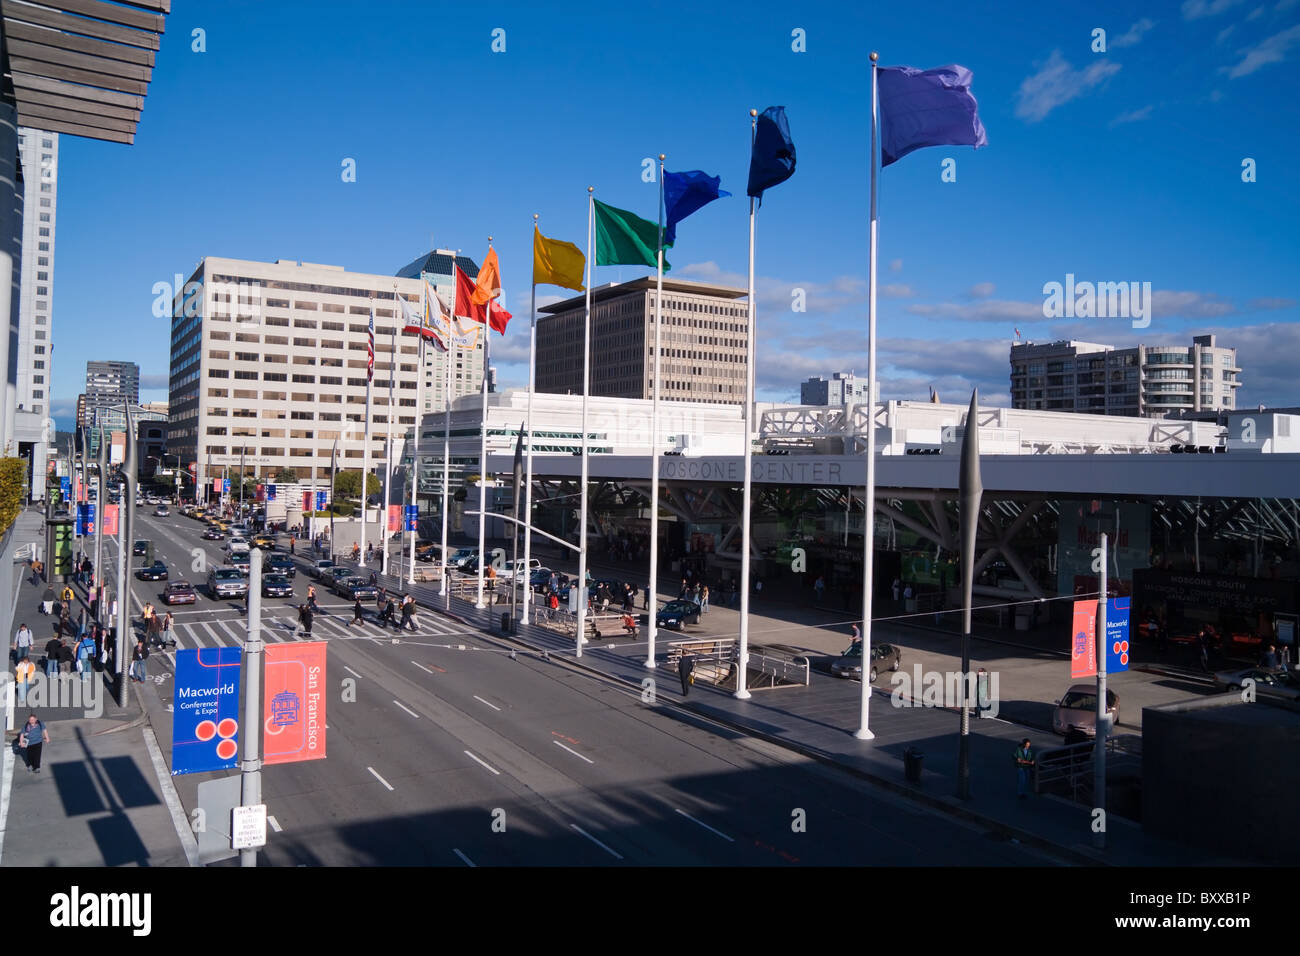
451	756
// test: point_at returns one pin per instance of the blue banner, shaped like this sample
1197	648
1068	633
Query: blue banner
1117	642
205	726
320	501
412	517
225	486
86	518
65	485
270	492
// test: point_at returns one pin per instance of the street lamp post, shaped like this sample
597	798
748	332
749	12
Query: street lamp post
334	480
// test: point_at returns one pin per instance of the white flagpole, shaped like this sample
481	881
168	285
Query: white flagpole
528	480
742	661
482	451
415	445
652	602
869	499
365	451
586	388
388	453
451	343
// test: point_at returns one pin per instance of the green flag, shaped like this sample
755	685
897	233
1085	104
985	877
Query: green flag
623	238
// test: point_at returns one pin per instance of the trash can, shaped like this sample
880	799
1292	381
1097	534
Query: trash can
506	624
912	764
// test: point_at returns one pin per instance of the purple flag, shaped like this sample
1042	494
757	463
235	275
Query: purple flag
926	108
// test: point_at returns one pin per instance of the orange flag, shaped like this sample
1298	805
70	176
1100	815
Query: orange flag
488	286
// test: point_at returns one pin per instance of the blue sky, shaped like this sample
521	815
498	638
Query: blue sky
1122	165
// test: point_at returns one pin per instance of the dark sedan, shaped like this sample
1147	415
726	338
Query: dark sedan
179	592
277	585
677	614
213	534
883	657
155	572
280	565
332	576
354	588
140	547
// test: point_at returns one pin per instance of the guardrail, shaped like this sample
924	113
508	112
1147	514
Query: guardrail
792	670
1074	763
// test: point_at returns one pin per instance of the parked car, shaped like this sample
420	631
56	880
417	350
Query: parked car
155	572
508	571
276	585
140	547
541	577
278	564
317	568
1276	683
425	550
226	582
883	657
676	614
212	534
354	587
1077	710
179	592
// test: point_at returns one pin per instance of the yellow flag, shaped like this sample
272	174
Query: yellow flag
556	262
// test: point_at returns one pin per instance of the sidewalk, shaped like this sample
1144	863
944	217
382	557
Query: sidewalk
819	721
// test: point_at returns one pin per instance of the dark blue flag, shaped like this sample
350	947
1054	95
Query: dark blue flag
926	108
684	193
772	160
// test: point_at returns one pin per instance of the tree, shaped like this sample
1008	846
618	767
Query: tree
285	476
12	471
348	484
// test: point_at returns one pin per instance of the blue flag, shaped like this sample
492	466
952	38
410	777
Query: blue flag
684	193
926	108
772	160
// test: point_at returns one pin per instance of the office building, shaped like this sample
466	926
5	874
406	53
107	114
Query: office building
268	361
840	389
703	342
112	383
1152	381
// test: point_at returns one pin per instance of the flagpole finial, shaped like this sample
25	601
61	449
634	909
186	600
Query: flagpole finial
874	56
753	112
591	189
534	218
662	157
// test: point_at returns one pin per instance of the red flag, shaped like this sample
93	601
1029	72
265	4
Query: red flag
490	313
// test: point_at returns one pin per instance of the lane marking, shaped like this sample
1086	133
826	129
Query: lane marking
483	763
705	825
407	709
422	667
488	702
379	778
572	751
350	671
188	842
468	861
275	824
613	853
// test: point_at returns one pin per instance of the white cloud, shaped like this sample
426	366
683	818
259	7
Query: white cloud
896	265
987	310
1169	304
982	290
158	381
1134	35
1225	33
898	291
1056	83
1272	50
778	295
1132	116
1270	302
1197	9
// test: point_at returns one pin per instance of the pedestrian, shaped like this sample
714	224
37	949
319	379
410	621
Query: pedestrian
139	656
758	587
66	597
357	617
304	618
1268	661
386	613
47	601
683	590
153	627
356	552
704	599
23	675
85	657
896	587
311	597
374	579
370	553
908	594
53	653
1203	649
647	597
168	632
1025	760
23	641
408	608
36	574
32	740
857	635
94	604
293	544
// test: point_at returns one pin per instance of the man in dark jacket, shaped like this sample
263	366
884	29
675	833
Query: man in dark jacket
304	618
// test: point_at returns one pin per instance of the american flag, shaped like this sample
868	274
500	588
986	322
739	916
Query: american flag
370	348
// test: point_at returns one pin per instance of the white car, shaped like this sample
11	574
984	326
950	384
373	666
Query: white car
237	546
508	571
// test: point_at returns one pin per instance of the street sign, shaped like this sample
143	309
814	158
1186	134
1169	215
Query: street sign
248	827
225	486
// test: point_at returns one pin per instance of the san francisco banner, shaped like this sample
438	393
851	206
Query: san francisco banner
293	709
1083	640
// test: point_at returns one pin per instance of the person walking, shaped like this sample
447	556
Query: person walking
47	601
32	740
408	608
304	617
370	553
1025	760
357	617
386	612
23	675
23	641
704	599
86	657
139	657
168	631
311	597
819	588
53	653
153	627
857	635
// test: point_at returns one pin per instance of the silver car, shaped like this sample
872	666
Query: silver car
226	582
1077	710
1268	683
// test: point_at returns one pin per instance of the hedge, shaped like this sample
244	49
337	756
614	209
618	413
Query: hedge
12	471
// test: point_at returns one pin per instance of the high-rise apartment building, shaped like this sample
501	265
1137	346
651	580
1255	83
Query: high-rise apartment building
842	388
112	383
1147	380
28	408
268	360
703	342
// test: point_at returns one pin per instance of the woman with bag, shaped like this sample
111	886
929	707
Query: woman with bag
32	740
168	633
138	658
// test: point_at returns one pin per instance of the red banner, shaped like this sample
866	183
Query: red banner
110	519
293	709
306	501
1083	642
216	485
394	517
261	492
